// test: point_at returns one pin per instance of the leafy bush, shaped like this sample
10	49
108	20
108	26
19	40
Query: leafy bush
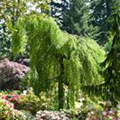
30	102
28	115
11	74
7	111
11	97
109	113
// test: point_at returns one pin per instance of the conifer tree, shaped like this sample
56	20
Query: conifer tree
109	89
57	57
5	39
112	62
75	18
57	9
101	11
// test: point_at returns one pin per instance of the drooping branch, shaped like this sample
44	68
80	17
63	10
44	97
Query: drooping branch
56	53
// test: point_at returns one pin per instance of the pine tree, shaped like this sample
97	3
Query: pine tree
109	89
75	18
57	9
101	11
112	62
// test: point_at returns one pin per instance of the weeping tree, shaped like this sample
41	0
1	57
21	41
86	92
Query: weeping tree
57	57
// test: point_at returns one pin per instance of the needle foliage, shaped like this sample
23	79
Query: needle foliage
110	89
57	57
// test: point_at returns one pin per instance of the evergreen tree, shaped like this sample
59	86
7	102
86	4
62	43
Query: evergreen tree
112	62
101	11
75	18
5	39
57	57
57	9
110	89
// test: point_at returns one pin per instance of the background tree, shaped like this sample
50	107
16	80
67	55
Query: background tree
109	90
101	11
73	16
10	11
5	39
112	62
57	9
84	17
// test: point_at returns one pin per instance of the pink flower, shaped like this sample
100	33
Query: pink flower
105	113
3	97
5	102
11	106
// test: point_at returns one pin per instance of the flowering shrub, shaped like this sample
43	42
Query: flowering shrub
12	98
51	115
11	73
109	113
7	111
30	102
27	101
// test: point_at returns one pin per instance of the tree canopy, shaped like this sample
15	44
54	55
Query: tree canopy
56	56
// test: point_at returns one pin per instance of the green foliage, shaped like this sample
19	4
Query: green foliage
76	18
56	56
7	111
10	11
109	90
101	11
73	16
5	39
108	45
30	102
58	7
112	62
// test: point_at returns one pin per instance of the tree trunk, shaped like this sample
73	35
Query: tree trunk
61	85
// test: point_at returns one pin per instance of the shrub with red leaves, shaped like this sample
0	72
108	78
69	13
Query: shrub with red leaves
11	73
